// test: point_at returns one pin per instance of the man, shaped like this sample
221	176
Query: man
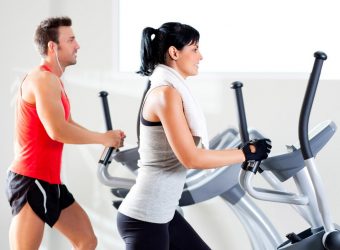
43	124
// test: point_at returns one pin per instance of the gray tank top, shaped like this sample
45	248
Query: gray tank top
160	179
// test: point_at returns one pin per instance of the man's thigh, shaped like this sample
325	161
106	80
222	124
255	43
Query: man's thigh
26	230
74	223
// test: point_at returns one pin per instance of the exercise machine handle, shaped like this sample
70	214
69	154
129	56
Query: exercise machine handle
105	160
252	166
249	169
107	152
242	120
103	95
272	195
331	238
308	103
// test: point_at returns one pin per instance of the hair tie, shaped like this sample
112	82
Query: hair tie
154	34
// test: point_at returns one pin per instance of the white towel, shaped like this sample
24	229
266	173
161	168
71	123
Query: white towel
164	75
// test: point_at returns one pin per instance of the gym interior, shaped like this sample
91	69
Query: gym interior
273	92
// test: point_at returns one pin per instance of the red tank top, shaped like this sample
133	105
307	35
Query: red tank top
36	154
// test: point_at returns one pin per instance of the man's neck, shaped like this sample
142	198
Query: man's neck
52	66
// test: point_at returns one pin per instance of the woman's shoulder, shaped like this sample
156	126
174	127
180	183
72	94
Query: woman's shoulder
166	92
163	97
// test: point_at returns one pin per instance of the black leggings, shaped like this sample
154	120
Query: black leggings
175	235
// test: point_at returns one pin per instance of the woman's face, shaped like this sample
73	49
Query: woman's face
187	60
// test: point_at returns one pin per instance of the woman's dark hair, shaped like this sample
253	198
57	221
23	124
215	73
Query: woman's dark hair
156	42
47	31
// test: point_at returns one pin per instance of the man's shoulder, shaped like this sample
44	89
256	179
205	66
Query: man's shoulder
40	77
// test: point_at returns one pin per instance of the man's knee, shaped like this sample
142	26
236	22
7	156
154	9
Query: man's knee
87	243
93	242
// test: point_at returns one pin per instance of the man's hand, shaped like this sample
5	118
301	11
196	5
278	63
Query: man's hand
114	138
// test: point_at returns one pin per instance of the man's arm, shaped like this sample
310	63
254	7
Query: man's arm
47	93
70	120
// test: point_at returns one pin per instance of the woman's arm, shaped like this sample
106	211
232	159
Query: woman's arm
165	104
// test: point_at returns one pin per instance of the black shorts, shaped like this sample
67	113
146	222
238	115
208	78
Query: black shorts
46	200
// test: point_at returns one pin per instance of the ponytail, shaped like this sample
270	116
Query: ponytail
148	51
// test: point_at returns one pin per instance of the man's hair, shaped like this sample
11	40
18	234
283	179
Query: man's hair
47	31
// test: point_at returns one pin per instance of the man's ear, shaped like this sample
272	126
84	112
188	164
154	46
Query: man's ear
173	53
52	46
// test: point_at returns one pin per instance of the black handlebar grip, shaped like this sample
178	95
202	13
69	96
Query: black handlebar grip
103	95
320	55
237	86
308	103
243	127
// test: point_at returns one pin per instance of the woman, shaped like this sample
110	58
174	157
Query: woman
173	138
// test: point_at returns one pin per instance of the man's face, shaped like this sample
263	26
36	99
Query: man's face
67	47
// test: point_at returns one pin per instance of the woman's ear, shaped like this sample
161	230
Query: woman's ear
173	53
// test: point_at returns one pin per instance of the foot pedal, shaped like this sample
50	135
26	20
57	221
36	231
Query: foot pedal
293	237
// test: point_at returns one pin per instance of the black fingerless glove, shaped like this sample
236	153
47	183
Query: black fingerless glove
262	149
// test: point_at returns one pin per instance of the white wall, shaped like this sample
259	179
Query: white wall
272	105
16	24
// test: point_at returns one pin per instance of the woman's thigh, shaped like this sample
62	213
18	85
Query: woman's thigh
183	236
143	235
